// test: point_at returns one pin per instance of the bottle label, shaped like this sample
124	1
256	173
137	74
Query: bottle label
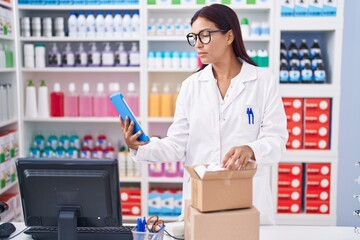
306	75
284	75
294	75
319	75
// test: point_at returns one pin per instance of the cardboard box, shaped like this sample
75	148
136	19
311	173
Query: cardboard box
222	190
224	225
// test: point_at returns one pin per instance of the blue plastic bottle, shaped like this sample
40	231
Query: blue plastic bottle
284	73
307	74
320	74
294	74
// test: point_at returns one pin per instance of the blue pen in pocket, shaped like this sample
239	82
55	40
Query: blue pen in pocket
250	113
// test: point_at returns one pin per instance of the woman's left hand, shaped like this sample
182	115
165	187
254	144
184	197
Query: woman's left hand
237	157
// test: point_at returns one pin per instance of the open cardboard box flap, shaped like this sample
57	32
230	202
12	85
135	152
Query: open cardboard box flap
248	172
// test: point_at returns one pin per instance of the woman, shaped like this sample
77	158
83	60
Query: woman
228	112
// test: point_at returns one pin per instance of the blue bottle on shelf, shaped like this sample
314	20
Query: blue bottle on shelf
38	2
24	2
52	2
294	74
79	2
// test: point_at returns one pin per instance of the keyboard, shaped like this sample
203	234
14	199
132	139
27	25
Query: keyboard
84	233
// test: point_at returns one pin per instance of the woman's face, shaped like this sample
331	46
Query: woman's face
214	51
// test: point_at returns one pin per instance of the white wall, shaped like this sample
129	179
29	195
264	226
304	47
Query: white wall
349	135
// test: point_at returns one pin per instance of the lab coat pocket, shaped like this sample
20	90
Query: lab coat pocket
250	118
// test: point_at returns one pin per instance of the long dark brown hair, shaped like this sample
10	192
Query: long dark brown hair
225	18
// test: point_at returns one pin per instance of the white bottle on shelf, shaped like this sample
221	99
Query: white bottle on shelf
179	27
121	56
43	100
170	27
151	60
126	25
90	25
175	60
30	103
107	56
81	25
160	27
72	25
68	57
135	24
29	55
118	24
94	59
81	58
100	25
54	57
109	25
134	55
151	28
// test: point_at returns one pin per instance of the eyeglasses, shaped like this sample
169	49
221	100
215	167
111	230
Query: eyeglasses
204	36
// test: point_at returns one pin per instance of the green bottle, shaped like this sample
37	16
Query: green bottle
34	151
48	152
60	151
40	141
75	140
65	141
53	140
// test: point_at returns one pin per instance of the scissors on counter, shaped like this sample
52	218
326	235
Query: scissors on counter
154	224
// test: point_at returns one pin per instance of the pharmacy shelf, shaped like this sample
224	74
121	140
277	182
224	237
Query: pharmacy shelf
129	180
310	24
310	156
183	38
7	70
7	37
82	69
171	70
74	119
8	187
8	122
160	120
306	219
5	4
183	7
78	7
308	90
165	180
79	39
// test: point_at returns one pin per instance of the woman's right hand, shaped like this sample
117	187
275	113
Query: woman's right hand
127	128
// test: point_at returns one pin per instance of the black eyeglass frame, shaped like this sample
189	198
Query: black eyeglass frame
197	36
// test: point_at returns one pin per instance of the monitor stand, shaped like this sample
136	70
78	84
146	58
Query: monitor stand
67	225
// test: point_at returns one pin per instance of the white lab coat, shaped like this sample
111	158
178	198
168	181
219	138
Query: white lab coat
206	126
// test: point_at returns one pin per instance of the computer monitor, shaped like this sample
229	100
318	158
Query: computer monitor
69	193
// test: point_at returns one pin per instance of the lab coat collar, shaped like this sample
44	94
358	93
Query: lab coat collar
248	73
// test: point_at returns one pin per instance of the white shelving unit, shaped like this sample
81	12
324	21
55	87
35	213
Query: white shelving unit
8	75
329	27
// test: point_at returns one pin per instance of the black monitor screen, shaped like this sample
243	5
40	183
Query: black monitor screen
88	189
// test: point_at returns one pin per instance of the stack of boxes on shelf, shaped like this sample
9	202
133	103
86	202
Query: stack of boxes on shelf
303	188
317	123
130	201
317	188
290	191
218	198
165	201
168	169
315	8
127	167
308	123
9	151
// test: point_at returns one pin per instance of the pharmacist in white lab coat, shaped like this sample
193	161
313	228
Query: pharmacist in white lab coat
227	113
